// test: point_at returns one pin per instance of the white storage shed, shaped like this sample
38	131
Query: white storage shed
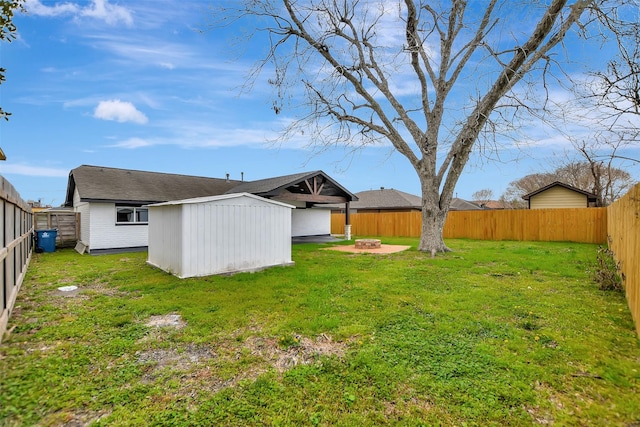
219	234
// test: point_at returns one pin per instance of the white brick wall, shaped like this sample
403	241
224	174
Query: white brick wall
105	234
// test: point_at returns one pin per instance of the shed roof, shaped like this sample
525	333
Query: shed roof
98	183
221	197
590	196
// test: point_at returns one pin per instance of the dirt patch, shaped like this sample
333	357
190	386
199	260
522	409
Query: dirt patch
77	419
183	360
167	320
383	249
196	364
304	351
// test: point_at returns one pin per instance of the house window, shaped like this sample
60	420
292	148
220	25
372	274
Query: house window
131	215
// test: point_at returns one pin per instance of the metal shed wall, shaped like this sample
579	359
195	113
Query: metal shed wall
221	234
165	238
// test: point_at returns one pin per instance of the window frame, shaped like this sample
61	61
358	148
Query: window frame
135	214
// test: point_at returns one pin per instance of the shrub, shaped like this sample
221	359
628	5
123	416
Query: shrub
607	271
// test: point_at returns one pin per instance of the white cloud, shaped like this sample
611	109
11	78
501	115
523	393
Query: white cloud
21	169
101	10
34	7
119	111
132	143
109	13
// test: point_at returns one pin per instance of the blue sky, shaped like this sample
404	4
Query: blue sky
136	85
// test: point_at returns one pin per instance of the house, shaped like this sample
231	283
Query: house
113	202
463	205
382	200
392	200
219	234
559	195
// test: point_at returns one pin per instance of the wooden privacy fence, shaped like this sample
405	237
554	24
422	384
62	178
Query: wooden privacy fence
587	225
624	240
17	245
66	222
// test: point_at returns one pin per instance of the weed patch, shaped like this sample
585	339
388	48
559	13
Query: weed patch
606	272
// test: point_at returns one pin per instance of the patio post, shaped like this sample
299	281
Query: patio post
347	222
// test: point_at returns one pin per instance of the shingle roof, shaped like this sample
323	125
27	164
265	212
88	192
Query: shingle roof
271	187
462	205
97	183
389	198
268	185
384	198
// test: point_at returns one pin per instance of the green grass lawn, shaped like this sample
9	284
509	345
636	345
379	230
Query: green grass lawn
494	333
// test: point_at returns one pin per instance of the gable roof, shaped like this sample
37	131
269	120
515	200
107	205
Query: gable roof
462	205
313	187
385	198
98	183
590	196
103	184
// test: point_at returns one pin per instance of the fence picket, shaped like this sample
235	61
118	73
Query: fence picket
16	250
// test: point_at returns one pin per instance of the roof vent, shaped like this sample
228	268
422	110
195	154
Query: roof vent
227	177
381	188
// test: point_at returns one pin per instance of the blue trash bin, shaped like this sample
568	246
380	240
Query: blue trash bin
47	239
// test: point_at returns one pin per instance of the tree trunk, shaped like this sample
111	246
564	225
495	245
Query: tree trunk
433	218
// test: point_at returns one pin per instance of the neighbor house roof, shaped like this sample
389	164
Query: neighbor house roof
590	196
492	204
384	198
98	183
462	205
314	186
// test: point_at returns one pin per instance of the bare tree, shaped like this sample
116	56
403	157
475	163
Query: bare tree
376	71
607	182
525	185
7	33
610	100
618	87
483	196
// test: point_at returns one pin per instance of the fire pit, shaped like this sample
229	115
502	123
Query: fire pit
367	243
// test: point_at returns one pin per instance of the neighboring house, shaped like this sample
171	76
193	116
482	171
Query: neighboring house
463	205
112	202
382	200
391	200
559	195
